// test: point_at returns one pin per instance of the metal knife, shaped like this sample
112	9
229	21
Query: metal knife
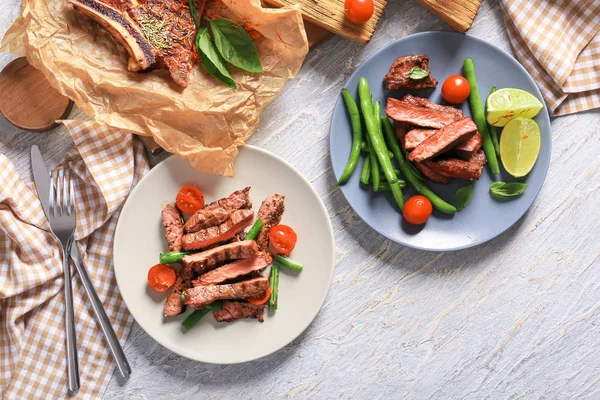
41	178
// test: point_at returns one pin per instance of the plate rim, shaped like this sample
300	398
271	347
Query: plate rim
174	158
516	62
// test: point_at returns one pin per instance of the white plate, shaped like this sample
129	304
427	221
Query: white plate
139	240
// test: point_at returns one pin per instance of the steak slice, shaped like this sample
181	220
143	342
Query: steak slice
234	270
398	77
270	212
443	140
414	137
400	128
419	116
238	200
426	103
207	260
454	168
468	149
234	310
204	218
199	262
173	223
238	220
155	33
431	174
201	296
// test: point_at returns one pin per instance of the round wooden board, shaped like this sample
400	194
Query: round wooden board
28	101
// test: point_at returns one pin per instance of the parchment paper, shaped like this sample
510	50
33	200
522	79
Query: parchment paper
205	122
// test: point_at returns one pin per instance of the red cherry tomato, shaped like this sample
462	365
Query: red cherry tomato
261	298
358	11
456	89
161	277
417	210
190	199
283	238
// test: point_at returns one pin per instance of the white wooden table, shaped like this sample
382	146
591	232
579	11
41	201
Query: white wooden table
517	317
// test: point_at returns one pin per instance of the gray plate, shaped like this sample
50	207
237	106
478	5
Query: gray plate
484	218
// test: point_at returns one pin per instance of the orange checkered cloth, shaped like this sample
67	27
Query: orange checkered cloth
558	42
106	164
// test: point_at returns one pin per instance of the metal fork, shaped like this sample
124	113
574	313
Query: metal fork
62	224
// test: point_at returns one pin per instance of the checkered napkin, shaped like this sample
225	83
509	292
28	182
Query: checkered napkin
558	42
106	165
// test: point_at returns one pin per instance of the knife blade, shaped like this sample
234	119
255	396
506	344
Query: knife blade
41	177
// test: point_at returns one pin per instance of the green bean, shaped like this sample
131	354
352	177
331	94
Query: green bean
365	174
375	178
274	279
365	149
419	186
479	116
372	116
253	232
356	136
173	257
288	263
385	186
492	129
197	315
183	296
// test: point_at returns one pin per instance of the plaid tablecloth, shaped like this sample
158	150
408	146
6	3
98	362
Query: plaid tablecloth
558	42
107	164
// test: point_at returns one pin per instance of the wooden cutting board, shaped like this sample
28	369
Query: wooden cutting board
459	14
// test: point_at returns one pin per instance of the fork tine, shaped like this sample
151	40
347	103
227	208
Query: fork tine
71	194
52	193
59	192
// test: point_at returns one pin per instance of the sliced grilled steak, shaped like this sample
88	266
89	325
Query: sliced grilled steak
398	77
238	200
468	149
443	140
454	168
234	310
173	223
419	116
204	218
270	212
201	296
207	260
431	174
400	129
154	32
173	304
414	137
426	103
234	270
238	220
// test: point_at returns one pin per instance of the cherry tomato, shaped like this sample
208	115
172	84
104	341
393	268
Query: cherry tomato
417	210
161	277
261	298
456	89
283	238
358	11
190	199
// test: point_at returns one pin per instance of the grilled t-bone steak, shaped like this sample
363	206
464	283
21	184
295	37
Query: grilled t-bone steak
443	140
155	33
415	115
218	211
201	296
398	77
270	212
238	220
173	224
204	261
234	310
234	270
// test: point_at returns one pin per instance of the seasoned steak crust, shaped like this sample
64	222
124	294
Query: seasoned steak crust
398	76
444	139
270	212
431	174
234	270
173	223
418	116
234	310
205	218
201	296
455	168
426	103
238	220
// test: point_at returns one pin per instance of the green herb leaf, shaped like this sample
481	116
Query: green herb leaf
417	73
507	189
235	45
194	13
463	197
211	59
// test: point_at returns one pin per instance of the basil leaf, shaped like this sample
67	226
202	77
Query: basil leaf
211	59
417	73
194	13
235	45
507	189
463	197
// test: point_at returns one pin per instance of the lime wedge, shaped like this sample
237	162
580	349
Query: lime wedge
520	146
506	104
